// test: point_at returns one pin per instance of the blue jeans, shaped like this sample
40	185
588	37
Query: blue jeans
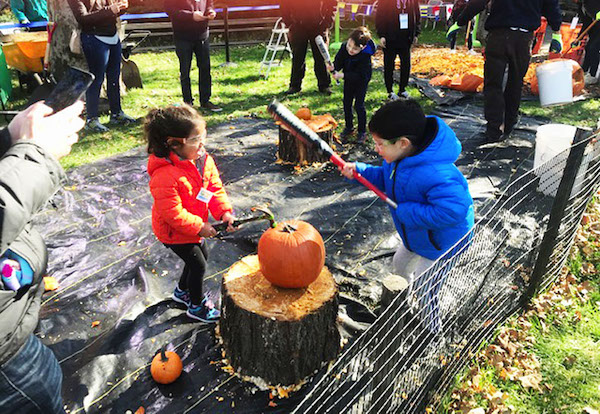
30	382
102	59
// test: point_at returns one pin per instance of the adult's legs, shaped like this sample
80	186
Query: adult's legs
321	73
592	52
113	74
494	67
194	256
97	56
519	53
299	45
404	53
30	382
202	51
184	51
453	37
389	64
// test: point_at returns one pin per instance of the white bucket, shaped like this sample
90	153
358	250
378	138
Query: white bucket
550	141
555	80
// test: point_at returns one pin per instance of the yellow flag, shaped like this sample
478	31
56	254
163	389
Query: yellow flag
341	5
354	8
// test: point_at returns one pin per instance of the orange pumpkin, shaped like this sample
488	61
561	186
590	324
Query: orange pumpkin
304	113
292	254
166	367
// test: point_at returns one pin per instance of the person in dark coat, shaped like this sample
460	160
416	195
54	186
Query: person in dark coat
306	20
30	376
190	29
589	11
398	24
511	25
458	7
353	64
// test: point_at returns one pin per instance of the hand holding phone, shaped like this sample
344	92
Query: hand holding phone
70	89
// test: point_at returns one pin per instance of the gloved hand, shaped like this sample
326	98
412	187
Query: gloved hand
453	29
556	44
598	16
25	21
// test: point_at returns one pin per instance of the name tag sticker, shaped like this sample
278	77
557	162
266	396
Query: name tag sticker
204	195
403	20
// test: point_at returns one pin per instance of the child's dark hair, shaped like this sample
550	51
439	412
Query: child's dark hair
178	121
361	36
401	118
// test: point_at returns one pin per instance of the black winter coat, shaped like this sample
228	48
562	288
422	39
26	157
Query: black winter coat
28	178
387	20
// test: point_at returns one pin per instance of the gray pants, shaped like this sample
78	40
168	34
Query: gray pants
422	289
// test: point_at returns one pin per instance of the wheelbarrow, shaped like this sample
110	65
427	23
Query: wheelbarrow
129	69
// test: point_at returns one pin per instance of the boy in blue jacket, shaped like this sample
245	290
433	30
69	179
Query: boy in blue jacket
354	59
435	208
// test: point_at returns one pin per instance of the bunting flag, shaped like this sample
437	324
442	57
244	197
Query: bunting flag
354	9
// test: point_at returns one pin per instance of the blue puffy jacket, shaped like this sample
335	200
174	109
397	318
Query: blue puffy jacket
435	208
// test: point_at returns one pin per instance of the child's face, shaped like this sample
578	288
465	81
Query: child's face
352	48
192	147
392	152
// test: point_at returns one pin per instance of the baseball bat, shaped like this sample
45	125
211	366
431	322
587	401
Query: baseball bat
324	52
301	131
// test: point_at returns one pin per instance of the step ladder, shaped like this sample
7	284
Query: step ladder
278	45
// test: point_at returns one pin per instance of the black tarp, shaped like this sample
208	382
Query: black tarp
111	268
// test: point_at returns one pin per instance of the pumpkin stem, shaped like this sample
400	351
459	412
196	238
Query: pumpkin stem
163	355
289	228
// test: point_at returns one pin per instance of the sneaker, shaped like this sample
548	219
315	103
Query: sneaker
182	296
204	312
471	52
404	94
588	79
393	97
211	106
346	133
325	91
122	119
94	125
361	138
292	90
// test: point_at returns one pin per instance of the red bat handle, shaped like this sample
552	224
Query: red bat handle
337	160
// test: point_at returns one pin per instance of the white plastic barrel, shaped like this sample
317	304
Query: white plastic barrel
555	80
550	141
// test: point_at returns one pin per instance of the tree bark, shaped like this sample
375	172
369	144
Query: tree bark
292	150
60	55
279	336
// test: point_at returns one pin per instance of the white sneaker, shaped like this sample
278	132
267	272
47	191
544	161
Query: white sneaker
393	97
453	51
405	95
472	52
588	79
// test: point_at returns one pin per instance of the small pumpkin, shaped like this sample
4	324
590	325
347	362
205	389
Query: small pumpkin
292	254
304	113
166	367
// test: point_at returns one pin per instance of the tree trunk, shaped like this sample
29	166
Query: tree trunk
292	150
60	56
279	336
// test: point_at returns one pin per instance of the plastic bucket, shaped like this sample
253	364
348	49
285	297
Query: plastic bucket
552	140
555	82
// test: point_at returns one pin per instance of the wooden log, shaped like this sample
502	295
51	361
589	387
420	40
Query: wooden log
391	286
292	150
273	335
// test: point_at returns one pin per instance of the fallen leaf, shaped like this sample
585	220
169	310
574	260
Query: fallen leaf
95	323
50	283
531	381
140	410
272	404
478	410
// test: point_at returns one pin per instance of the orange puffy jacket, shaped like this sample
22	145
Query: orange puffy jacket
177	216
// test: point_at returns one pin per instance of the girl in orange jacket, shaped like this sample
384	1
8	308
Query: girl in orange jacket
185	185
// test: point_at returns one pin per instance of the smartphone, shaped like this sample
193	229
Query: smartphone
70	89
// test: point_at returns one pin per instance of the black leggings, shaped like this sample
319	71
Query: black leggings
194	255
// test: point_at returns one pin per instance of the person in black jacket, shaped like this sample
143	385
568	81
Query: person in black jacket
30	376
102	49
306	20
511	24
588	12
190	29
354	59
398	24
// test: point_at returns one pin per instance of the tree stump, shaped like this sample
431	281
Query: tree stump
293	150
276	335
391	286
